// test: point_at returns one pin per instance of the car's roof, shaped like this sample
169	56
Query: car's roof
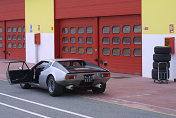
64	59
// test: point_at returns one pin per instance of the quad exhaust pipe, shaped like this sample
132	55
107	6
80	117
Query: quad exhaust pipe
70	87
98	85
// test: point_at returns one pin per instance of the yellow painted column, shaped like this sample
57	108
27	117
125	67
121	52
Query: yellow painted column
39	12
39	18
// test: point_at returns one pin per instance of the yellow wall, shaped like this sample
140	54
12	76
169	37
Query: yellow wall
39	12
157	15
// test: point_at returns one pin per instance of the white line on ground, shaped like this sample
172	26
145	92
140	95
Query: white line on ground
47	106
30	112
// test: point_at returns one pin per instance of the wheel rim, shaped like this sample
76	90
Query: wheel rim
51	86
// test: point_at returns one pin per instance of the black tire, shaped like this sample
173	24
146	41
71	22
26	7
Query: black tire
54	89
155	74
161	57
25	85
99	90
162	66
162	50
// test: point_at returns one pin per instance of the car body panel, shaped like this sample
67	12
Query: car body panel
58	75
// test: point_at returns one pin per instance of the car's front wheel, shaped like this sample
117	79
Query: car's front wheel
25	85
54	89
99	90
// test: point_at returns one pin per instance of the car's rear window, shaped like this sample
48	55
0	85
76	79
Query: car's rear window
72	63
80	66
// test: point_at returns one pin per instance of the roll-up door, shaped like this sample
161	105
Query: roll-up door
115	42
121	44
79	39
15	40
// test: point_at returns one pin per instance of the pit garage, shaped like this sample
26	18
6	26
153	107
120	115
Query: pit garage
112	42
15	40
12	29
12	37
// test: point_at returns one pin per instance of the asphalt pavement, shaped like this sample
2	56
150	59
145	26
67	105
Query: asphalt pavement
126	96
33	103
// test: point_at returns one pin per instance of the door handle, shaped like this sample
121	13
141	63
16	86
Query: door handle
105	63
4	51
101	61
96	60
9	53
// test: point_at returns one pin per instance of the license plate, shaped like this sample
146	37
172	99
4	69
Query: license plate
88	78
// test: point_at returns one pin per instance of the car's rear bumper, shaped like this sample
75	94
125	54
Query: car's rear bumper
82	82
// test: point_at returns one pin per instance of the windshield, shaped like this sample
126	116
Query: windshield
80	65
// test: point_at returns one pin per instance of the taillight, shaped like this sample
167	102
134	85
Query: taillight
69	77
105	75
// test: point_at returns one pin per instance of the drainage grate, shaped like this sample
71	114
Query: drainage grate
120	77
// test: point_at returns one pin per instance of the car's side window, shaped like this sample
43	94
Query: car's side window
65	63
56	65
44	65
48	65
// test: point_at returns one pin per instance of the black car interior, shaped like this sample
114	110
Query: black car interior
38	69
17	76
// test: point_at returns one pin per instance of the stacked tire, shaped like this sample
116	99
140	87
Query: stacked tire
161	63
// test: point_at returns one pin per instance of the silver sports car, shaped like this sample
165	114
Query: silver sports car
58	75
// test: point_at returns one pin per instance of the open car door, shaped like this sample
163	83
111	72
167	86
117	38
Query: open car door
18	72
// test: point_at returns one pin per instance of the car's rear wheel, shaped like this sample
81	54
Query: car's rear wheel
54	89
25	85
99	90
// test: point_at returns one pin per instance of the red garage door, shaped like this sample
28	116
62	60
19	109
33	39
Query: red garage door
121	44
115	42
79	39
15	40
2	40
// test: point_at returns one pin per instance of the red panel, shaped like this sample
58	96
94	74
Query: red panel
123	64
17	52
2	40
84	22
170	41
12	9
93	8
37	39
